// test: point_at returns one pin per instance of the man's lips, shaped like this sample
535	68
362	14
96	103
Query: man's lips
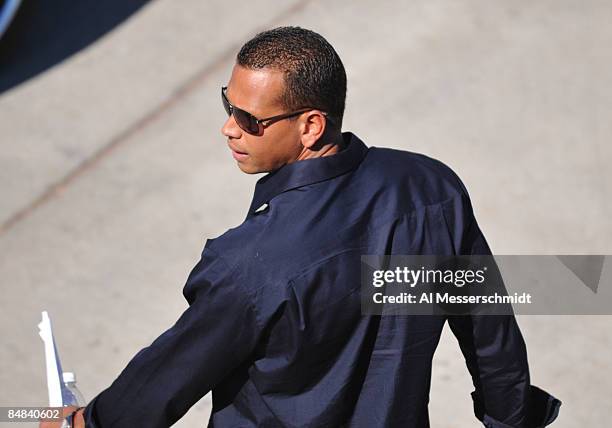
237	153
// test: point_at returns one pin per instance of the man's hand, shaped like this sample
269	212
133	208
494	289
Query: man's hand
79	421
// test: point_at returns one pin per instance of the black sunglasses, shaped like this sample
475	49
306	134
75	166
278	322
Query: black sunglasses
249	123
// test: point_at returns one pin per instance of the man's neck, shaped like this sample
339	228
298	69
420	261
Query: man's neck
324	147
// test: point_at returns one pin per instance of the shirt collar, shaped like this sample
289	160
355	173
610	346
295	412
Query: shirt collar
308	171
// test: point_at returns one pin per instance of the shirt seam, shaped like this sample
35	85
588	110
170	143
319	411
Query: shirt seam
245	290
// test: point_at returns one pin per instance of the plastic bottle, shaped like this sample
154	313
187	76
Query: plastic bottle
74	398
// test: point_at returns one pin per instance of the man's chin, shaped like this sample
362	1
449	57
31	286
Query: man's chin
249	169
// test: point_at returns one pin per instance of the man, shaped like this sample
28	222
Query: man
274	326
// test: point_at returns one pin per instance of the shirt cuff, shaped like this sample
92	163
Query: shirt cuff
542	410
89	415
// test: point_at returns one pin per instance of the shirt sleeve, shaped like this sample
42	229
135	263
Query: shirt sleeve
493	346
216	333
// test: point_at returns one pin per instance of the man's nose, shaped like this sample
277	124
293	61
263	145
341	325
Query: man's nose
230	128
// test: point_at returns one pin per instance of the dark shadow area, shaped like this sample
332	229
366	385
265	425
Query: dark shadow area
45	32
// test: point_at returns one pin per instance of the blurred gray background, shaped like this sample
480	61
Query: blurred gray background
113	171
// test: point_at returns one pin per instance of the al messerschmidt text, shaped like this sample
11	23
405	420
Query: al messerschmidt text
447	298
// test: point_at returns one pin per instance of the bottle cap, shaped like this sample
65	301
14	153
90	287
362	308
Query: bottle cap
68	377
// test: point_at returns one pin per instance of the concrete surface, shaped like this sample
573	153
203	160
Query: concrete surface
113	171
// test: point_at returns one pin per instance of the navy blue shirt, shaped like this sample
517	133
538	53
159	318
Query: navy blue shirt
274	325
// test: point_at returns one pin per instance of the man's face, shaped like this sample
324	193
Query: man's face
259	93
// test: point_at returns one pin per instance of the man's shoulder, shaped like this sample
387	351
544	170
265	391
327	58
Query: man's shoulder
403	162
427	179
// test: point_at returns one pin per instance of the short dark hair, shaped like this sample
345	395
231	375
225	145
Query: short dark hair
314	74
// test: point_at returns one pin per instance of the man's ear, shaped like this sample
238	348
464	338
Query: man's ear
313	127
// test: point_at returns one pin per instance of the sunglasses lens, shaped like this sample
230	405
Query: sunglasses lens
226	104
246	121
